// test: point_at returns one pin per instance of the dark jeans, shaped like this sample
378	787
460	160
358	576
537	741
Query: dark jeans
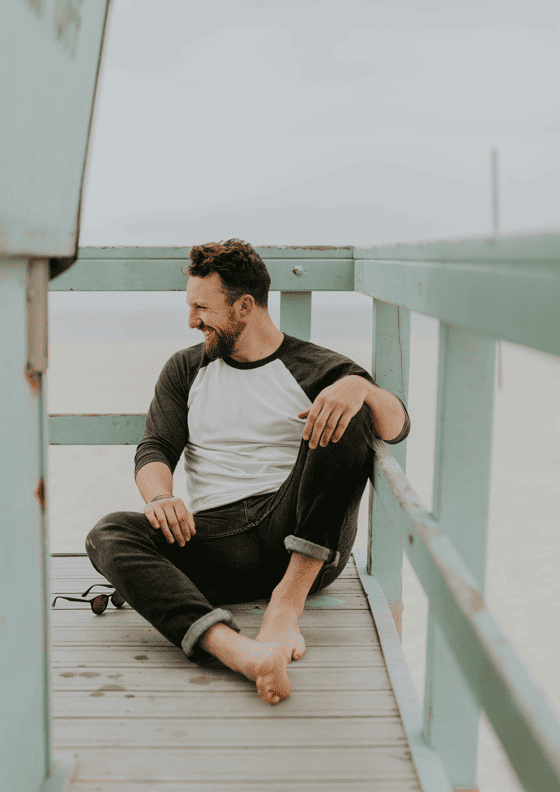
241	550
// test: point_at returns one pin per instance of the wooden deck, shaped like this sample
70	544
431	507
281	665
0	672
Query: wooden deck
139	716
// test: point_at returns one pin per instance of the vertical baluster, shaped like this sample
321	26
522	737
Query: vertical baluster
390	365
461	493
295	314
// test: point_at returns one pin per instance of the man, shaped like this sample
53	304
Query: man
277	435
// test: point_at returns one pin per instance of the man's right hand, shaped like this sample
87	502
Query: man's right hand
172	517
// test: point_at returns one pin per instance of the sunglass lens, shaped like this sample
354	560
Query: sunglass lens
99	603
117	599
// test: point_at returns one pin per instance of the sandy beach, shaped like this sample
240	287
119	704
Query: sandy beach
523	585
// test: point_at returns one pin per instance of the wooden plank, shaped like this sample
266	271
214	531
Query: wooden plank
511	247
383	785
166	656
214	704
78	429
126	618
169	252
515	303
251	765
189	732
137	274
295	314
177	679
319	601
147	636
427	761
390	367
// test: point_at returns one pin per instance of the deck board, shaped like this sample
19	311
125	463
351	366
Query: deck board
135	712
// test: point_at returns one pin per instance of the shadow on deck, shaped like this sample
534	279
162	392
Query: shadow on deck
136	714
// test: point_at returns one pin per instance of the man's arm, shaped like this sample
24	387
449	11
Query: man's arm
336	405
388	413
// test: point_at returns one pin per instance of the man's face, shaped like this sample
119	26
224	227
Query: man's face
210	313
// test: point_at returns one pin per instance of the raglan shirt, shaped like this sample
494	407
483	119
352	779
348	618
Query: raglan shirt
237	423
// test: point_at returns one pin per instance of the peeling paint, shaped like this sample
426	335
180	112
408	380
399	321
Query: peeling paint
40	493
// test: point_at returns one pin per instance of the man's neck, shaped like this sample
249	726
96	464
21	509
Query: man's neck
258	344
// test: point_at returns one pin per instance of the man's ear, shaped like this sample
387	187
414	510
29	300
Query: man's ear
247	304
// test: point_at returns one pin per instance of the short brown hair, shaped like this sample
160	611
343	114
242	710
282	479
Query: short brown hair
239	266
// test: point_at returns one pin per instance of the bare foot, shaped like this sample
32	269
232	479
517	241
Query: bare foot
280	626
263	663
270	674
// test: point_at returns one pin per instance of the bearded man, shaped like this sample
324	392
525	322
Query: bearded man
277	435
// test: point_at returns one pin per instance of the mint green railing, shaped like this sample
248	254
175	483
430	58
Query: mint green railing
481	289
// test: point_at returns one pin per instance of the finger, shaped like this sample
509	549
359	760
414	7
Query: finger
173	523
303	414
312	417
149	512
341	428
186	522
330	426
318	428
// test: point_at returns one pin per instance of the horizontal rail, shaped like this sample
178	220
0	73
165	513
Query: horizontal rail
526	726
499	301
526	247
82	429
161	272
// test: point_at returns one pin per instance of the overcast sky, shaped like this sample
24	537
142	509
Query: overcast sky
323	121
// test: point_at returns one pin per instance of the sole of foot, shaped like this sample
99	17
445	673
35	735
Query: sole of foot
271	677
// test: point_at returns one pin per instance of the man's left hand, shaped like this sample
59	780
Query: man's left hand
333	409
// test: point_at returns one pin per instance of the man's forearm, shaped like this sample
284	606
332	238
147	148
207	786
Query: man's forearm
387	410
153	479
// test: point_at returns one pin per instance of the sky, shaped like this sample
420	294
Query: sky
323	122
301	122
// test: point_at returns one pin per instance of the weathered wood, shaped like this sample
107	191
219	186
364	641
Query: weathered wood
190	732
466	373
509	301
255	766
168	656
216	704
139	635
160	274
138	711
390	367
64	678
295	314
402	785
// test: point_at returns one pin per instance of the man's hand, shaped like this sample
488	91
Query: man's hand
171	515
333	409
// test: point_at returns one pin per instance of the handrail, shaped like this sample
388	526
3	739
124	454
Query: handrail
501	286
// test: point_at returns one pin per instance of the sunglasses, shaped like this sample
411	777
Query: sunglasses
99	603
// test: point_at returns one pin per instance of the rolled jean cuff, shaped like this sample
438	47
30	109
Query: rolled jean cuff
189	644
312	550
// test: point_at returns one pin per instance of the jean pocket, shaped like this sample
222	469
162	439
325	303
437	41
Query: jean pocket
221	521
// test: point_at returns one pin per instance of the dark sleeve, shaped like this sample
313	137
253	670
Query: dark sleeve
315	368
167	431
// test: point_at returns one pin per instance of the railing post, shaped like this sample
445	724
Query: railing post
461	493
390	365
295	314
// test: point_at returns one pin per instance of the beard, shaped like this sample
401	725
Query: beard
222	344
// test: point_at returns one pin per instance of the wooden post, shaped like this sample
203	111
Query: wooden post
295	314
390	367
461	495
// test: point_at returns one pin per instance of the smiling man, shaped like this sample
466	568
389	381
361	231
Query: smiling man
277	435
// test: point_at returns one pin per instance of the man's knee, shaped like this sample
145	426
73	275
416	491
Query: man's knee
108	528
